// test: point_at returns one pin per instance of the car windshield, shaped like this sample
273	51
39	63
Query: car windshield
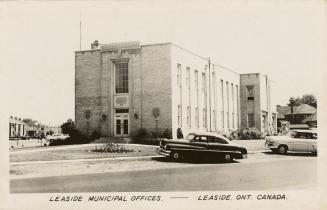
189	137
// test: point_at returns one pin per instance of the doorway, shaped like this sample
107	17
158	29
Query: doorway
121	123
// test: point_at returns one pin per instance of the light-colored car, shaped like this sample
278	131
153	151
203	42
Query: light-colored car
56	137
295	140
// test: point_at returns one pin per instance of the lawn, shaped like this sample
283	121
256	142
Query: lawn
79	153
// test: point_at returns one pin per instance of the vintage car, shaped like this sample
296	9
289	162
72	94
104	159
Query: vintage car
202	145
295	140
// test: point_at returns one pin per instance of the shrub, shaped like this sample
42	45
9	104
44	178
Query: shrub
113	148
249	133
95	135
143	137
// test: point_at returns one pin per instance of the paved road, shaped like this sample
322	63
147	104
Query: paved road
285	173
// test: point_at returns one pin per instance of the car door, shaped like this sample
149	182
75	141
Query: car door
300	142
199	143
217	144
311	142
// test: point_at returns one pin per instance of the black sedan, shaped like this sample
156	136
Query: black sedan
202	145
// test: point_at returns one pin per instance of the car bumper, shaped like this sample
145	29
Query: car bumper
163	152
271	145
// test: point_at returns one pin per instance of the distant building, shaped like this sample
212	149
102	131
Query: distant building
303	116
257	108
17	128
118	85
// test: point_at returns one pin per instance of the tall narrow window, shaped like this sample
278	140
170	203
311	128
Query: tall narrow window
227	98
188	77
188	116
214	87
204	120
233	116
196	114
250	120
237	107
250	93
179	71
121	77
204	90
222	104
179	116
196	80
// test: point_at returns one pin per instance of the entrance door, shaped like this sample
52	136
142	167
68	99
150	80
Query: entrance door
121	125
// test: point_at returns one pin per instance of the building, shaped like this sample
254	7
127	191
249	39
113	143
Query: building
122	87
257	107
303	116
17	128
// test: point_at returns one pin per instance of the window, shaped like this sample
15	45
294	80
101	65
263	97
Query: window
250	120
237	117
179	72
204	115
121	77
188	116
227	95
196	116
250	93
188	77
222	103
179	116
196	80
204	82
200	139
233	117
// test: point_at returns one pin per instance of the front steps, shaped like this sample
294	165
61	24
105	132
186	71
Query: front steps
114	140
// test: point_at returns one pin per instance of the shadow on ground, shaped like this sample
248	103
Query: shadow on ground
295	154
193	160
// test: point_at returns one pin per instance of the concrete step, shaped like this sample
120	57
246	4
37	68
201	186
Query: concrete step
114	140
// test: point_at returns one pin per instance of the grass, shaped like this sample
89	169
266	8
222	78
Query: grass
79	153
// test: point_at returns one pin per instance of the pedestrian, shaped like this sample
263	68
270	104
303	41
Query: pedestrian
180	133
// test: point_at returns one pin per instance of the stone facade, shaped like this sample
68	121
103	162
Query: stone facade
190	91
260	105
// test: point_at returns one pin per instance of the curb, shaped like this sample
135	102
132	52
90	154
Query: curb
103	159
85	160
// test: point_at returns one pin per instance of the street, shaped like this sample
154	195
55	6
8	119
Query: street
259	172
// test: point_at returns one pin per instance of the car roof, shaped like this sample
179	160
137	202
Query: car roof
306	131
202	133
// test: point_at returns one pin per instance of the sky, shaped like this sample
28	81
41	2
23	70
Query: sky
284	39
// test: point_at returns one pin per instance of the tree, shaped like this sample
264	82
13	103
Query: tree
68	127
309	99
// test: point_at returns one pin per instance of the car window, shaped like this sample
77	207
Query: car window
212	139
221	141
190	137
200	139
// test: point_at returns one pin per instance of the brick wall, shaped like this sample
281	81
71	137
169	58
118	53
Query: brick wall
87	90
248	107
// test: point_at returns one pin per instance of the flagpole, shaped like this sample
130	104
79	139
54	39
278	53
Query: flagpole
80	32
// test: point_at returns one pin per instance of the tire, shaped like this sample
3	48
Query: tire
228	157
282	149
176	155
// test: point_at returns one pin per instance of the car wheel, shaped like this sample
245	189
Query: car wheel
176	155
282	149
228	157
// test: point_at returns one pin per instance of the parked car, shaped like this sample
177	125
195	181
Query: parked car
198	144
53	137
295	140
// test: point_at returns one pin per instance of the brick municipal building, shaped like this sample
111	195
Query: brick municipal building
118	86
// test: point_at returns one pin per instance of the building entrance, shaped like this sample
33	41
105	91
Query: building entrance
121	123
